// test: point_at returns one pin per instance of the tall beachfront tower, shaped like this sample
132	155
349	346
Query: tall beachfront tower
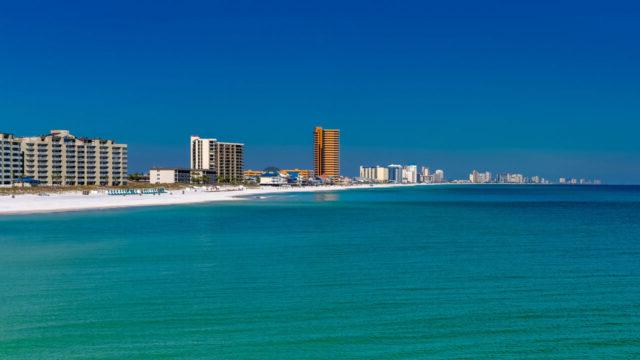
226	159
326	152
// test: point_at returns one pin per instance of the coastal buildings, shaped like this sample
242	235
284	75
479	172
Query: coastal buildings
180	176
395	173
366	172
574	181
401	174
11	167
424	176
375	173
326	152
298	173
438	176
169	176
539	180
480	177
266	176
410	174
252	173
427	176
273	177
225	159
508	178
60	158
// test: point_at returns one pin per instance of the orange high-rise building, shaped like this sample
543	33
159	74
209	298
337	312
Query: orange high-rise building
326	152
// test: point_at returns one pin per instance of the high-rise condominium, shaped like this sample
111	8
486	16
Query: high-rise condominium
395	173
60	158
225	159
374	173
10	159
511	178
326	152
410	174
476	177
438	176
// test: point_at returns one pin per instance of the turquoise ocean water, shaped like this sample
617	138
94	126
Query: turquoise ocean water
467	272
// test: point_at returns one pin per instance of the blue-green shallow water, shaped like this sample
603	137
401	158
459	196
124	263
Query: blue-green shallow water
433	272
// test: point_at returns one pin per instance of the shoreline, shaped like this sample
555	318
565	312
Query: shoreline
74	201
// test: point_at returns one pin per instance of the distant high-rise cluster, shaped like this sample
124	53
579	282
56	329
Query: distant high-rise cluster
476	177
400	174
480	177
409	174
326	152
573	181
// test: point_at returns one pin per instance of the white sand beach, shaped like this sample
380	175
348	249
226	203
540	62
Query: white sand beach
76	201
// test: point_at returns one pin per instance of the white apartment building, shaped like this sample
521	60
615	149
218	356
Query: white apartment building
225	159
60	158
11	166
375	173
410	174
480	177
512	178
425	175
273	179
438	176
180	176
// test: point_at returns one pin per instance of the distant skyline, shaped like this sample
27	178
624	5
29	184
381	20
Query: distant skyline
547	89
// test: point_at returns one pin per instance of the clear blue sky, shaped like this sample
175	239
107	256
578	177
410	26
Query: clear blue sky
542	87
